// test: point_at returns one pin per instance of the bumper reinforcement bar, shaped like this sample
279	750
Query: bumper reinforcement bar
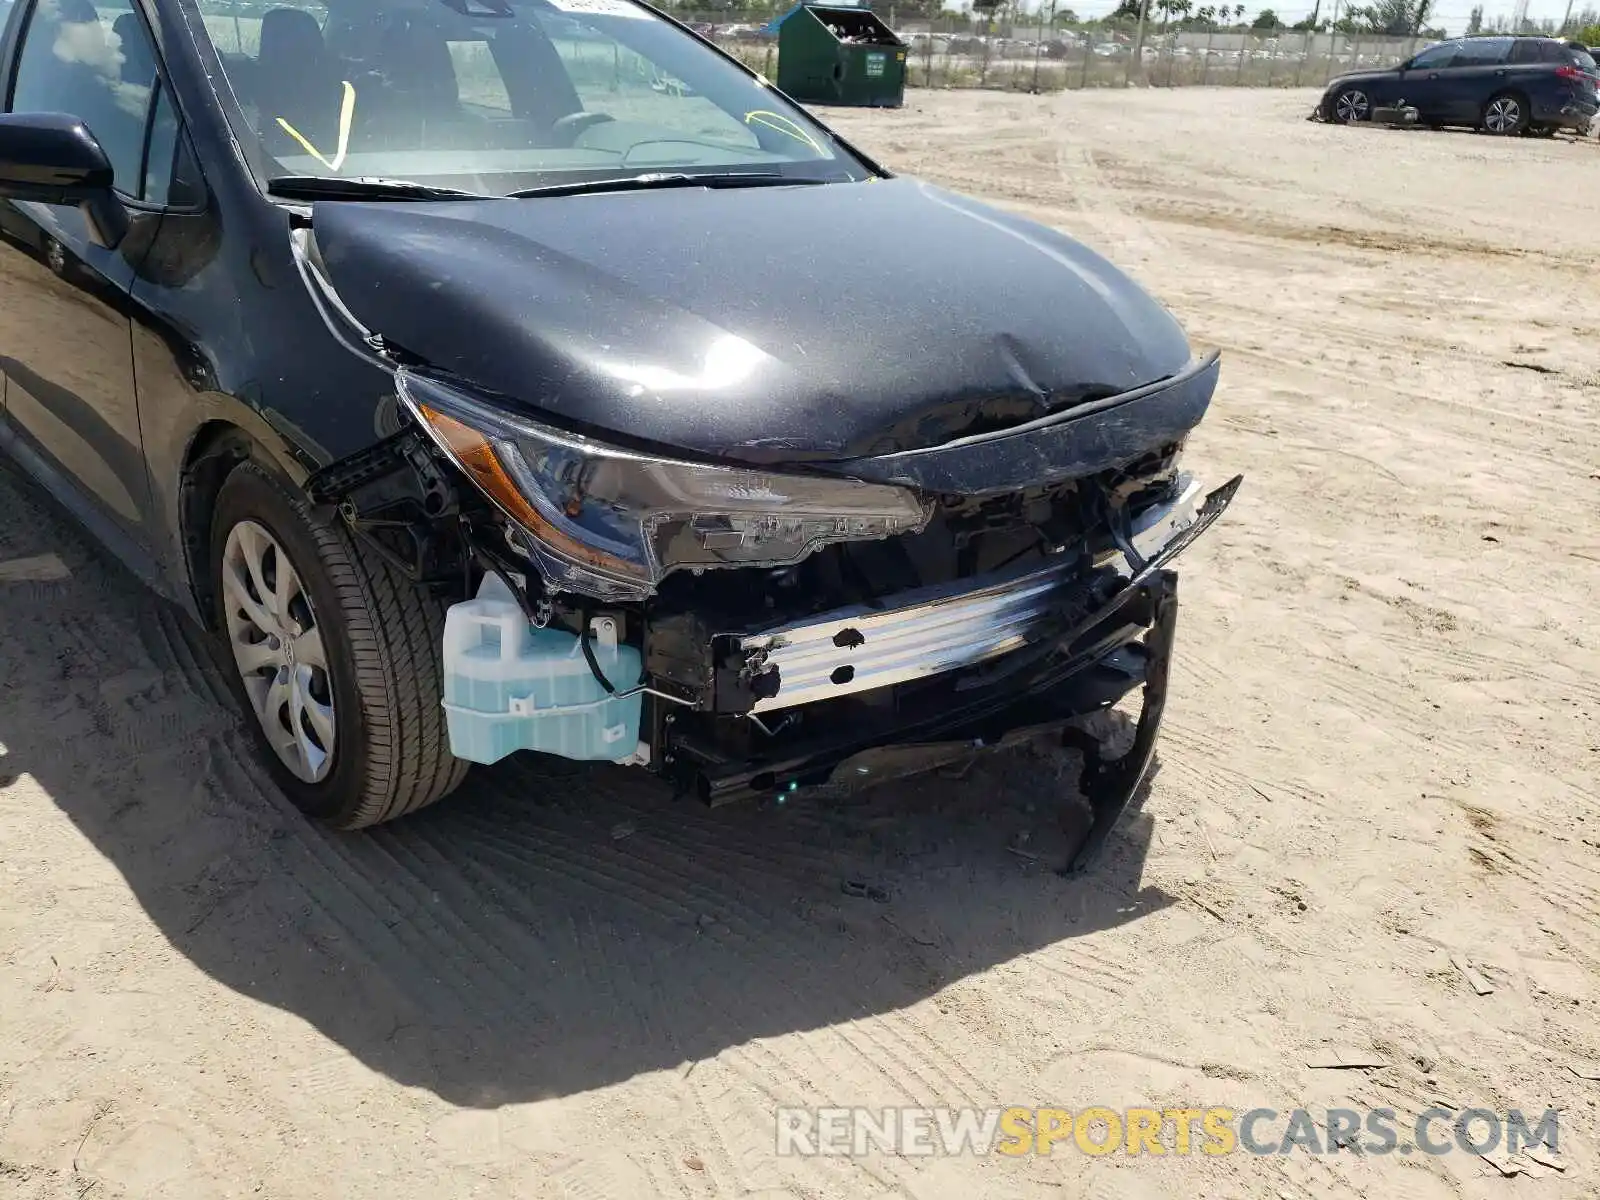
930	631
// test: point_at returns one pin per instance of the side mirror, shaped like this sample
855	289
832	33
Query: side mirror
52	158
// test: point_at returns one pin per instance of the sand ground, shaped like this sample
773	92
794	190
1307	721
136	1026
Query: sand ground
1380	782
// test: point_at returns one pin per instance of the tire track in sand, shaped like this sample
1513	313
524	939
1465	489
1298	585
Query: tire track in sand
1129	239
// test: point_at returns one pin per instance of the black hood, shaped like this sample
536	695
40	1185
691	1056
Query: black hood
762	324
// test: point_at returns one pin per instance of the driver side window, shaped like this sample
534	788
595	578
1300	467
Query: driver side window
1435	57
99	66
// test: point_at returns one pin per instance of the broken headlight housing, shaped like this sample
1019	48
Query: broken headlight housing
612	523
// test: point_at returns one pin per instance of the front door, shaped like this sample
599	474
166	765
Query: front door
65	336
1421	84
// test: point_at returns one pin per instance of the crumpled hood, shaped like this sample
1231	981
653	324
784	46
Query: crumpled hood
761	324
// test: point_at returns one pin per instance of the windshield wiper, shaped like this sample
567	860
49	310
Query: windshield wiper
370	187
670	179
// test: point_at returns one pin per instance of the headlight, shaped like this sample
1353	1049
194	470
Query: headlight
613	523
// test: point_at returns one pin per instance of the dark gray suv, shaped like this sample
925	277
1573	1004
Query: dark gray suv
1502	85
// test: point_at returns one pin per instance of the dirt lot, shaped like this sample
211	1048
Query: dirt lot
1382	755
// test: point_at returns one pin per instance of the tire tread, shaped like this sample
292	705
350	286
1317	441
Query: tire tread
395	630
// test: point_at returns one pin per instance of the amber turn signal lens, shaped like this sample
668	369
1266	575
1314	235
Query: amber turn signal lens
477	457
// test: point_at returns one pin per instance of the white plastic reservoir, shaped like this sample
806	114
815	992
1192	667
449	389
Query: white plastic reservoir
509	686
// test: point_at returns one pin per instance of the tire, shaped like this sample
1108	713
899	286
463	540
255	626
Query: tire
368	741
1350	106
1505	114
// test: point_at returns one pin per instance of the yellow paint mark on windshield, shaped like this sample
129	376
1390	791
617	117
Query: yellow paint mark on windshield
347	112
783	125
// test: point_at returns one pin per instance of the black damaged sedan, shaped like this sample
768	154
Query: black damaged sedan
1501	85
509	375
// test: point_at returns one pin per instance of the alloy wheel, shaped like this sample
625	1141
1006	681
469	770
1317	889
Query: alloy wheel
1503	115
1350	107
278	649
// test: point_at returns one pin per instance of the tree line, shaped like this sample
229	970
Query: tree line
1392	18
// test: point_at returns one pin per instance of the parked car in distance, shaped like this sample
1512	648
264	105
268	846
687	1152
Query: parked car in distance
481	394
1501	85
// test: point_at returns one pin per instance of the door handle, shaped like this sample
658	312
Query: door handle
1435	75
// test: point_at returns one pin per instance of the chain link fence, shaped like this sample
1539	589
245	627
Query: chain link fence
954	52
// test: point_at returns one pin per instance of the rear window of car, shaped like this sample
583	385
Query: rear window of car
1585	62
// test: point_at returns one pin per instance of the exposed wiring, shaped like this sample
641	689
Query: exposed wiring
588	655
538	614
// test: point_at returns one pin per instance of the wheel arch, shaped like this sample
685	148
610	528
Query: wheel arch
216	448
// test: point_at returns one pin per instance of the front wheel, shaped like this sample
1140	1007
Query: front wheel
336	657
1351	105
1505	114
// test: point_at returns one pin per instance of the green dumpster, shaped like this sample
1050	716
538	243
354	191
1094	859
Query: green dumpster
829	55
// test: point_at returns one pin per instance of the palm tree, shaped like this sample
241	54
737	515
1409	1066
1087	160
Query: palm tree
1238	12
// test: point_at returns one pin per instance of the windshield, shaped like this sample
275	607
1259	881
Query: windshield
496	96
